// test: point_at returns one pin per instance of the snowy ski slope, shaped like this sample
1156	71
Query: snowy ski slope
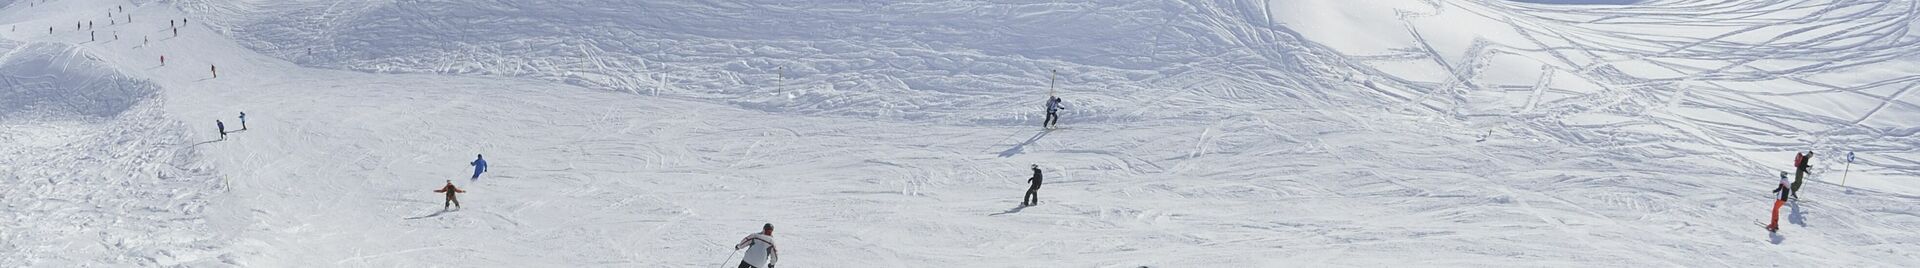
1285	133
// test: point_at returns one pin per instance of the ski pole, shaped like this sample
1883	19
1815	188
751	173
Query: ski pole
1843	174
728	257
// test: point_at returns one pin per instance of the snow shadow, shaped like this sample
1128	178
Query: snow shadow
1010	211
1775	238
1794	216
1018	148
203	143
435	214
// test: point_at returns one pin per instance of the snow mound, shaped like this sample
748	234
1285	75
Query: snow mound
95	173
947	62
1581	2
49	81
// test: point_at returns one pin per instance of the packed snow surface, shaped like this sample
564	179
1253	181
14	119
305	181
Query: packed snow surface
1200	133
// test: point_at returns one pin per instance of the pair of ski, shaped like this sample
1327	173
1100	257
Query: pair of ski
1763	225
1775	229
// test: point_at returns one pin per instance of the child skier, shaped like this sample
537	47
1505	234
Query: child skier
450	190
760	250
1783	189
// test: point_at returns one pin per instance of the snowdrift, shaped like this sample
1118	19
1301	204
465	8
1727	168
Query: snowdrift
53	81
956	62
94	173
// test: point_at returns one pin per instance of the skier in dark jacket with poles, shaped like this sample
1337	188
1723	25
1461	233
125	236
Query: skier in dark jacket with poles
1033	192
223	129
1800	164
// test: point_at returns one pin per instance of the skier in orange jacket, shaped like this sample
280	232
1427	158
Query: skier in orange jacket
450	190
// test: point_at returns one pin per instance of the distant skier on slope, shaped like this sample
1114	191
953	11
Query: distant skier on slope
243	120
1800	165
479	166
1783	190
223	129
450	190
215	69
760	250
1054	106
1033	192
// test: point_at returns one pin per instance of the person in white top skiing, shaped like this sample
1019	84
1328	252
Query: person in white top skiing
1784	189
1054	105
760	250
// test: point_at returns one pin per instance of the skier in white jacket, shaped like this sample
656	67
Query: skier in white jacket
760	250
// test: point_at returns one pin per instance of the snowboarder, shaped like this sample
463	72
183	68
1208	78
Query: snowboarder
760	250
479	166
1800	165
1033	192
243	120
1053	107
1783	190
223	129
450	190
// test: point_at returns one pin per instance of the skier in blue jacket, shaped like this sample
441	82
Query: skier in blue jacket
479	166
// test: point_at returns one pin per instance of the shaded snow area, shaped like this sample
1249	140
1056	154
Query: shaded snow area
1292	133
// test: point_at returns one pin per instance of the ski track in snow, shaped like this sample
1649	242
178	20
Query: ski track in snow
1202	134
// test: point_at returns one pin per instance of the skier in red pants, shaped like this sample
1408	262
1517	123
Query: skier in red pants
1783	189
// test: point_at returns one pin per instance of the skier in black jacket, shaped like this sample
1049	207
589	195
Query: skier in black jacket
1033	192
